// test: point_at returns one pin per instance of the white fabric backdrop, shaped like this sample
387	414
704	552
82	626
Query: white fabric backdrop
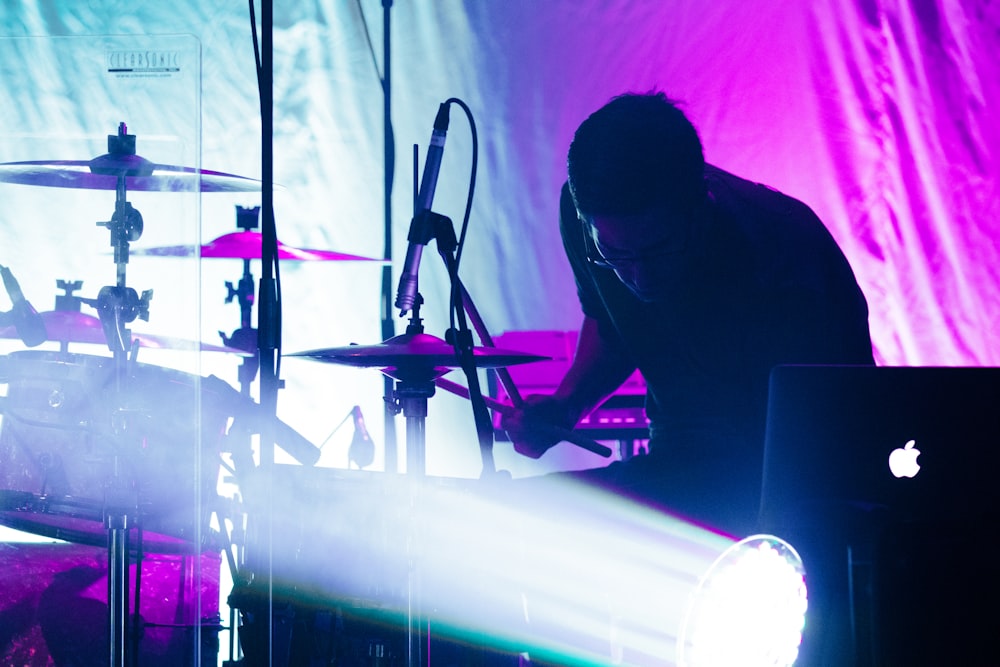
878	113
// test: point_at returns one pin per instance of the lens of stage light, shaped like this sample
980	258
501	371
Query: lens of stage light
748	609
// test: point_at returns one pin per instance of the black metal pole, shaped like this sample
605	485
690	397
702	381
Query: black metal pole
268	334
267	315
389	163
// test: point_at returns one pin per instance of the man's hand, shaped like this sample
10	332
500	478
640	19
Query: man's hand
539	424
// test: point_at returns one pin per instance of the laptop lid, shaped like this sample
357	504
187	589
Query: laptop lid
916	443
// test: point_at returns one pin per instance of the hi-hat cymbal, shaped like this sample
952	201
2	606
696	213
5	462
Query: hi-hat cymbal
410	355
101	173
247	245
64	326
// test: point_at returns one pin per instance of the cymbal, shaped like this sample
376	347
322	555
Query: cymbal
64	326
102	172
414	354
247	245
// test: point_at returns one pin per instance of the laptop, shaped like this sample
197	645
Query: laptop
887	480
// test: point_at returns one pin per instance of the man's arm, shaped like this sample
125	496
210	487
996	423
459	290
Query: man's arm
599	366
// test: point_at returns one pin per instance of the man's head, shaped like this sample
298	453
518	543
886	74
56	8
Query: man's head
636	172
636	153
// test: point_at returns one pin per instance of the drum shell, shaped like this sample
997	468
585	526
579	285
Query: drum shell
335	544
343	559
76	432
328	534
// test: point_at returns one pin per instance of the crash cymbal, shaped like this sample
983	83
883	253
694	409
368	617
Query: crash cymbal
74	327
101	173
419	353
247	245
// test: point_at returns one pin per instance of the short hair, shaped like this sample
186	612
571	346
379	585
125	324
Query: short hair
636	152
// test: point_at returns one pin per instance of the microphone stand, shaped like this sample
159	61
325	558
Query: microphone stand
441	228
461	340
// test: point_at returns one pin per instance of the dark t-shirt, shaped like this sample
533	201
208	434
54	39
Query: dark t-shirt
770	287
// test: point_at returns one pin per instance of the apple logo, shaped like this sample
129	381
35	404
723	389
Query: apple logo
903	460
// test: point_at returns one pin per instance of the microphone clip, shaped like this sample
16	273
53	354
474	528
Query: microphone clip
429	226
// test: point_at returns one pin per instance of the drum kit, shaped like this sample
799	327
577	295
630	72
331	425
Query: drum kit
102	450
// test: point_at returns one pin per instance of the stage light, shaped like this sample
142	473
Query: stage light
748	609
561	571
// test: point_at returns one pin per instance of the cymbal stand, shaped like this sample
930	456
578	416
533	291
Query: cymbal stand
118	306
244	338
414	385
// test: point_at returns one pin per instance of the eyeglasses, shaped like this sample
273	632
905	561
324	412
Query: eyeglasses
601	258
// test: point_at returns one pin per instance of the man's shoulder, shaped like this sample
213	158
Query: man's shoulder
788	241
732	191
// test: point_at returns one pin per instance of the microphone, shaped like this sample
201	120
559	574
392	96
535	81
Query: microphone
362	449
419	236
29	324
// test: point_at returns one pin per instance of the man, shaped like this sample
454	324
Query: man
703	281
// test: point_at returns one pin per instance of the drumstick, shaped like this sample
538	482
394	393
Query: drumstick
509	410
